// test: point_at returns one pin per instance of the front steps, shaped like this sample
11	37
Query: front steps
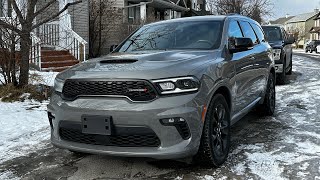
53	60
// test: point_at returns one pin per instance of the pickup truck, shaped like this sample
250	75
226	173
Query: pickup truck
281	44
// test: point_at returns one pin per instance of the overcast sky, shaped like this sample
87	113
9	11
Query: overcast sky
293	7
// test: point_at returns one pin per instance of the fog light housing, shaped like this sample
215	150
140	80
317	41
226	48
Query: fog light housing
180	124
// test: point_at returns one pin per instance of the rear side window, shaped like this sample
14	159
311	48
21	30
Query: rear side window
234	30
248	31
259	32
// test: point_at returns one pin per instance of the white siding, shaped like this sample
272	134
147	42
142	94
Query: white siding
80	20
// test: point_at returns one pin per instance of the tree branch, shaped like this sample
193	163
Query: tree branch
17	10
56	15
9	26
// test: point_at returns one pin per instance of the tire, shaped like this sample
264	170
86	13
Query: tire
268	106
290	66
281	77
215	139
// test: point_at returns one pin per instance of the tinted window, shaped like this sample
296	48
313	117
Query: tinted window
248	31
182	35
234	30
259	32
272	33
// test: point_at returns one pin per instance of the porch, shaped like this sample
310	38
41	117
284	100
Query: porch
55	45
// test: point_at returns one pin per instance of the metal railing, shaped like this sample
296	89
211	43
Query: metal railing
35	52
63	38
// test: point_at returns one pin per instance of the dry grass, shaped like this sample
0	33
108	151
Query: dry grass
10	93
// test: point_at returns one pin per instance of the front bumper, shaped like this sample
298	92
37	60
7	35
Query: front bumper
125	113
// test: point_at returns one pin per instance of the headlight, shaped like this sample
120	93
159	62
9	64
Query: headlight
276	54
58	85
177	85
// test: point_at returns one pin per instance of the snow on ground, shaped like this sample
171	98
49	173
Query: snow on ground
297	107
24	125
47	78
302	51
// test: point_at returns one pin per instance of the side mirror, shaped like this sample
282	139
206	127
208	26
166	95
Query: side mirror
290	40
240	44
113	47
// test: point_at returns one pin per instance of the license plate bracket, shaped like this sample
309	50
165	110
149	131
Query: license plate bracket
95	124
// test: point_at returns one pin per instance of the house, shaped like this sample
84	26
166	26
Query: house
60	43
315	30
281	21
138	12
302	23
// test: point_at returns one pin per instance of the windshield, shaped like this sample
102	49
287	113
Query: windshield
272	33
182	35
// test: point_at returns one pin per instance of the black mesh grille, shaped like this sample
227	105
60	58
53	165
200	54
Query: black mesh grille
134	90
137	140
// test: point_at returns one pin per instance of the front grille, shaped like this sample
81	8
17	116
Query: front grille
134	90
134	140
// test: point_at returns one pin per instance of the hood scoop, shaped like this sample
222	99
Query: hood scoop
118	61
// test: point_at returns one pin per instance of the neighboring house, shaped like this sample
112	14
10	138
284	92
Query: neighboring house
302	23
281	21
61	43
315	30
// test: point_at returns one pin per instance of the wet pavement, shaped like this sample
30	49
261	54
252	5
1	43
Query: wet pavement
285	146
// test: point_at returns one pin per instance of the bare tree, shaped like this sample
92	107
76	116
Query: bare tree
26	14
299	34
104	18
8	49
256	9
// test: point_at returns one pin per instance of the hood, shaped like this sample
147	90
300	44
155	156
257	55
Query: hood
142	65
276	44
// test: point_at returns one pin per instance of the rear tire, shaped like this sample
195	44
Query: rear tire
268	106
215	139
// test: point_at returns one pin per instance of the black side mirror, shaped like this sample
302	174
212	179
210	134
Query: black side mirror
240	44
113	47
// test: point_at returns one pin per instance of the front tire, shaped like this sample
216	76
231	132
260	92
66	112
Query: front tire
215	140
281	77
268	106
290	66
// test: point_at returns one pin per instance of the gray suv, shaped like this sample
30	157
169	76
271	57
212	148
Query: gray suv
171	90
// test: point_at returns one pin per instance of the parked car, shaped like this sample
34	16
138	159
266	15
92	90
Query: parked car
171	90
318	49
312	46
281	44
